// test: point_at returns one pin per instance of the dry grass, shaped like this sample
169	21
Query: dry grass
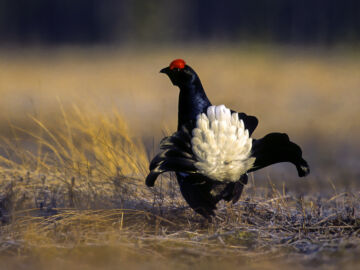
72	190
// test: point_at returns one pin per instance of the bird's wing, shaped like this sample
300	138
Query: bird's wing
275	148
250	121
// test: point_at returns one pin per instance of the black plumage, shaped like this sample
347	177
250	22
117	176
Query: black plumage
176	155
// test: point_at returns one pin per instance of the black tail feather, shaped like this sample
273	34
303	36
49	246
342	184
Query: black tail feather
250	122
175	140
170	164
168	153
176	156
275	148
151	178
180	139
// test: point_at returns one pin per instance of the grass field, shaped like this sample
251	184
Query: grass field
78	127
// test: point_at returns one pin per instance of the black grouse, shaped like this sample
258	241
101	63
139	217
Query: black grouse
212	151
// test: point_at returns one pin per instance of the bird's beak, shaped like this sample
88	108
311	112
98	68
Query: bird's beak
165	70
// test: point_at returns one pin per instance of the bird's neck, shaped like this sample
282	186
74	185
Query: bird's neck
192	101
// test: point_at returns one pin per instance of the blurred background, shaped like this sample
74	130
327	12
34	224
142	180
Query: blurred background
91	22
293	64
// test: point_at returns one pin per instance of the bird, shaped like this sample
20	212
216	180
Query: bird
212	150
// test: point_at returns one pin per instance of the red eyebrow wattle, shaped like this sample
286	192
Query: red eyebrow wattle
177	63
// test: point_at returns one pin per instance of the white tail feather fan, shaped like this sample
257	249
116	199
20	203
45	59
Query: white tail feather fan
221	145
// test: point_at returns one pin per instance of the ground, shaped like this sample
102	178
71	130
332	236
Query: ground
78	127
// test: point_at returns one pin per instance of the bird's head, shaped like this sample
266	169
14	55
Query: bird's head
180	74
